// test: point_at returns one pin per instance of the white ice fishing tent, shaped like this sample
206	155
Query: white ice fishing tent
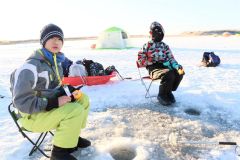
114	38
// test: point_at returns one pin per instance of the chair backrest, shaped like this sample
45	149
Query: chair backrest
14	116
141	77
137	64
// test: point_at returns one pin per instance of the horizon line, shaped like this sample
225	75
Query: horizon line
186	33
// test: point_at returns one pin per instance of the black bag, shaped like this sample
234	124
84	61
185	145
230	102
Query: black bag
210	59
96	69
110	69
93	68
214	59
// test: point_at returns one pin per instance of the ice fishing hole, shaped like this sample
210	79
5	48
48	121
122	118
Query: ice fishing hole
123	153
192	111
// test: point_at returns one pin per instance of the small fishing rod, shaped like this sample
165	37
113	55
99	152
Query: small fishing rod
174	141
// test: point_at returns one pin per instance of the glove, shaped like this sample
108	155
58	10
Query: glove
180	70
73	92
77	94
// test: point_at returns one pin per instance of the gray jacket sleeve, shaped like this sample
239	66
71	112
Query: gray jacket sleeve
23	82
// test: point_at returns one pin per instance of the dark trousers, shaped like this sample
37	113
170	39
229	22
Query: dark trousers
169	79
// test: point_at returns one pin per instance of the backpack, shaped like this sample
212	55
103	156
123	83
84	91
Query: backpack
93	68
214	59
210	59
77	69
110	69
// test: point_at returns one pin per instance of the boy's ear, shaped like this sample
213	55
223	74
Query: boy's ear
150	32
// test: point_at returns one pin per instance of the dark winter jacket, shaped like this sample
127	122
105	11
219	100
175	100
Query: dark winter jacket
34	84
156	54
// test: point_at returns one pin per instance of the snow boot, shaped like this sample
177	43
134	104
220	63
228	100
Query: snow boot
164	100
62	154
171	97
83	143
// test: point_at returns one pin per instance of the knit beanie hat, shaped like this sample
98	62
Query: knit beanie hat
157	31
50	31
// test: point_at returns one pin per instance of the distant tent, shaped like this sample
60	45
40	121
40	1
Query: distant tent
113	37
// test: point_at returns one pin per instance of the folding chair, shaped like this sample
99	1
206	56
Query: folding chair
147	95
22	130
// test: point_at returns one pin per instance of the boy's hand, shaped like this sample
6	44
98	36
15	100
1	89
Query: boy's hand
72	92
63	100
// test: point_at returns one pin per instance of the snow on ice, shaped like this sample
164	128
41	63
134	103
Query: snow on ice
124	125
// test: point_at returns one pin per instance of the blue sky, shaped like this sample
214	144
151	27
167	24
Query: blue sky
23	19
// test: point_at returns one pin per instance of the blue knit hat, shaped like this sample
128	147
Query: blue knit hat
50	31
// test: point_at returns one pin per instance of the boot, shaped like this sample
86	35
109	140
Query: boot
164	100
165	88
62	154
83	143
171	97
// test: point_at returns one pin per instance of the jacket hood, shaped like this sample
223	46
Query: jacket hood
36	55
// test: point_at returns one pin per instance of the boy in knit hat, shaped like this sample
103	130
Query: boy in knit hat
158	59
37	94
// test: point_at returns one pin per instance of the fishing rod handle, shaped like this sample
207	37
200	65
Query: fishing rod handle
228	143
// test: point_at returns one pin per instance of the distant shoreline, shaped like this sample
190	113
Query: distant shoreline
37	40
65	39
224	33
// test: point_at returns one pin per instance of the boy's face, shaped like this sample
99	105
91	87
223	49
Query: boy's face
54	45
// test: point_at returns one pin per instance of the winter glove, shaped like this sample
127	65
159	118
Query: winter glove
70	91
180	70
73	92
77	94
52	103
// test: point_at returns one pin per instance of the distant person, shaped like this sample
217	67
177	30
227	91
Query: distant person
158	59
210	59
37	94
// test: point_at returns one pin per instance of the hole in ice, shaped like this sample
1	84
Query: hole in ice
123	153
192	111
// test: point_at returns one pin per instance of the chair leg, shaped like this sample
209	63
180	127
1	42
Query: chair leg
147	95
37	144
51	133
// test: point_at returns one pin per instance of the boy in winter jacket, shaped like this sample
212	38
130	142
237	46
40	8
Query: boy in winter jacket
38	95
158	59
